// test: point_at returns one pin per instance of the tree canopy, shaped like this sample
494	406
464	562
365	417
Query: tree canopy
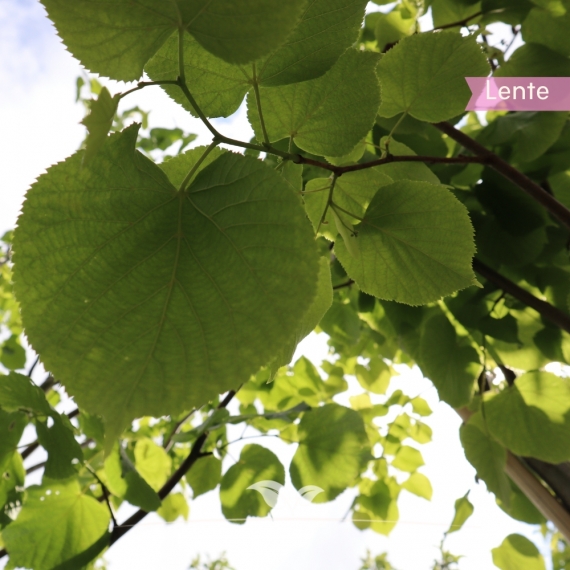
165	289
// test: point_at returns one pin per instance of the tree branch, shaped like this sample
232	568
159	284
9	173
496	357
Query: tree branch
548	311
461	23
195	454
558	210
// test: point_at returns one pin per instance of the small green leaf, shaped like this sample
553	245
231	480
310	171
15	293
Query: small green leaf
11	427
405	251
309	51
61	446
333	450
486	455
12	354
57	524
174	506
99	122
535	409
152	462
205	475
313	112
377	507
452	367
463	510
420	406
375	376
18	392
256	466
408	459
517	552
424	75
418	484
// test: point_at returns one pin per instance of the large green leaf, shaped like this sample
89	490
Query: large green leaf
201	287
333	450
424	75
451	366
328	115
258	467
57	523
517	552
326	29
534	60
534	410
405	251
541	27
487	456
117	37
218	87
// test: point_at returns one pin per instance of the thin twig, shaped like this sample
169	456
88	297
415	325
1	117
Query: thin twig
168	443
347	284
460	23
105	492
29	374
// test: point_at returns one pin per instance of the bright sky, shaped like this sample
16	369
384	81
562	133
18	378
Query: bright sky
40	126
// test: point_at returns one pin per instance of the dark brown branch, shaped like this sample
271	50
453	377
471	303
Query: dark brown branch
459	22
346	284
194	455
548	311
558	210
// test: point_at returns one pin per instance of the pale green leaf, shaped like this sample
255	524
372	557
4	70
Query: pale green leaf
418	484
486	455
256	465
152	462
173	506
326	29
19	393
452	367
99	122
377	507
420	406
463	510
375	376
333	450
56	525
116	38
191	283
541	27
392	27
517	552
205	475
314	113
424	75
405	251
218	87
408	459
535	409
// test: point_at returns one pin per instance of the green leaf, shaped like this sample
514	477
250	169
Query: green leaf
517	552
12	476
486	455
463	510
333	450
179	166
451	366
124	481
377	507
405	251
424	75
418	484
392	27
375	376
152	462
326	29
117	38
192	283
535	409
57	523
541	27
205	475
341	323
320	305
174	506
62	448
520	507
12	354
19	393
408	459
445	12
314	113
534	60
420	406
256	465
218	87
11	427
99	122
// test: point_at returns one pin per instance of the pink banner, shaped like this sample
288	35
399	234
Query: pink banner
519	93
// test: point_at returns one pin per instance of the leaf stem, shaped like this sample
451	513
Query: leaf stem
193	170
258	103
105	492
337	207
329	201
143	84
